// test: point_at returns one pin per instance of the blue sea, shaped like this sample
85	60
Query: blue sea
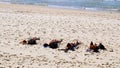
113	5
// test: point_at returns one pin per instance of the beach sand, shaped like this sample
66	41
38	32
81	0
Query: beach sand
18	22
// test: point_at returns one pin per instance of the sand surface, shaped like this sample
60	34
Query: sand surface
18	22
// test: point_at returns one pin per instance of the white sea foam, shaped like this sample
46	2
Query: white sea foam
4	2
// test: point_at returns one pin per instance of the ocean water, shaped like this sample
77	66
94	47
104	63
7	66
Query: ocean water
72	4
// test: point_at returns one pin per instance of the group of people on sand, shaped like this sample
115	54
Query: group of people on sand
54	44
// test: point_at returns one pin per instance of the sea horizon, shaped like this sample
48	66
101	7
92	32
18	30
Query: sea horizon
99	5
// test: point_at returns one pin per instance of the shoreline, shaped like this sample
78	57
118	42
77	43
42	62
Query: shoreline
17	8
48	10
65	7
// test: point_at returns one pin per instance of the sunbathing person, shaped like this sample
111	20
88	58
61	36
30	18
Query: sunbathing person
93	47
53	44
71	46
31	41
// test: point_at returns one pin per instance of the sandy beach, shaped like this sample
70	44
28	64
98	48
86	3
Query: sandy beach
18	22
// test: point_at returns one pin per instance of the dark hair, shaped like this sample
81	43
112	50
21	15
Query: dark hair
45	45
24	41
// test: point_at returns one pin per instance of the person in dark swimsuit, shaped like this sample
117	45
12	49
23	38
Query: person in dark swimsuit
53	44
31	41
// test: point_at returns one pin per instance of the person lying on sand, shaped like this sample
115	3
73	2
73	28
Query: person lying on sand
31	41
95	48
53	44
72	46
